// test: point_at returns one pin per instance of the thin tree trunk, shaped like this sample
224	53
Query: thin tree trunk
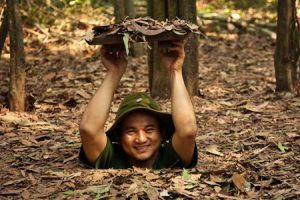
173	11
17	58
122	9
158	79
129	8
119	10
3	31
187	11
287	46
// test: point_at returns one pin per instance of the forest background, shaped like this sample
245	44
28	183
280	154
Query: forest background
248	138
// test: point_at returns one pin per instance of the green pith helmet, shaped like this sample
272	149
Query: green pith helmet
141	101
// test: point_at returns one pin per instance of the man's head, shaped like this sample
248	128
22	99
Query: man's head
140	136
140	113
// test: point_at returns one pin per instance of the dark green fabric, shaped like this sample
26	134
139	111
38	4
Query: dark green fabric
141	101
113	156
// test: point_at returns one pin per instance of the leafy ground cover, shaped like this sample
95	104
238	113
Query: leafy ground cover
248	138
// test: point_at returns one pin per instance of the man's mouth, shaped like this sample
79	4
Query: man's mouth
141	149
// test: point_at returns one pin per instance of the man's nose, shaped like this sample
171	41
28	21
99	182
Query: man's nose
141	137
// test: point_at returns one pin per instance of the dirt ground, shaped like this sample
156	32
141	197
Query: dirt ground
248	137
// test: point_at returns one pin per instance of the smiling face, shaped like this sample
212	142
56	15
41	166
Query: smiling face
141	138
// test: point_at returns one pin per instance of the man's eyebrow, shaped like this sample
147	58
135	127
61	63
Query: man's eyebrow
127	128
150	126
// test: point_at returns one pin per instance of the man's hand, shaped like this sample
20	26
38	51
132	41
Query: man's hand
173	57
114	58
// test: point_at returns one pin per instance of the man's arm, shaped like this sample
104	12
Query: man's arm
183	114
91	128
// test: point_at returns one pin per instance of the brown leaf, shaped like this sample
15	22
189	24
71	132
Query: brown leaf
32	179
133	189
10	192
213	149
239	181
49	76
265	183
83	94
26	143
217	189
211	183
228	197
11	118
11	134
25	194
70	158
258	109
152	193
14	182
216	179
253	194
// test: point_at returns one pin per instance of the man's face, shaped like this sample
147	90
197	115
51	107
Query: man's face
140	136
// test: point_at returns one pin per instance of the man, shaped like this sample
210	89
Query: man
142	135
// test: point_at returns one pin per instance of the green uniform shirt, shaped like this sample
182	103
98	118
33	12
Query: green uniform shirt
113	156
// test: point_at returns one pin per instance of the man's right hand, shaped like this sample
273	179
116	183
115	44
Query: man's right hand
114	58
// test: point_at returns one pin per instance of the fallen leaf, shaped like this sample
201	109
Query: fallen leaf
25	194
293	135
11	134
254	108
100	190
49	76
151	192
211	183
164	193
262	184
11	119
281	147
228	197
217	189
258	151
14	182
10	192
83	94
213	149
239	181
253	194
216	179
186	176
133	189
70	158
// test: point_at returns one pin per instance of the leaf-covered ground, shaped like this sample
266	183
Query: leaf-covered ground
248	139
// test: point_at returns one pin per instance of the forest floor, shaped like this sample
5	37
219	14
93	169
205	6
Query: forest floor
248	135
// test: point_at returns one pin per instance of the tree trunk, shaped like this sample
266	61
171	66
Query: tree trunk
3	31
287	46
122	9
158	78
17	58
173	11
187	11
129	8
119	10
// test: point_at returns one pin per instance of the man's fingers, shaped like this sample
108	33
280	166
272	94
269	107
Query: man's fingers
173	49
